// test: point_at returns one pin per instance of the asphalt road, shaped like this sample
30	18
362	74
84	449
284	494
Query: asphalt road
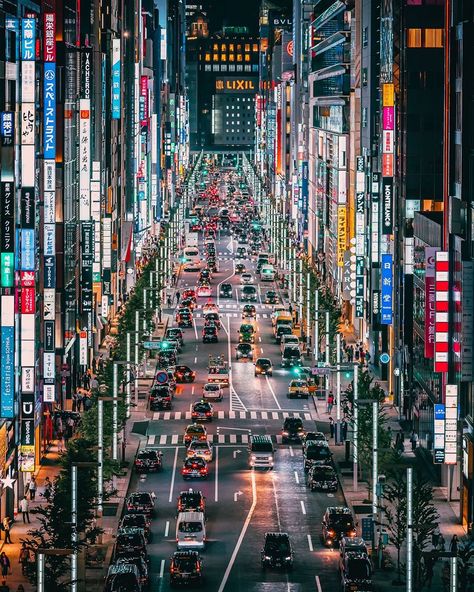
241	504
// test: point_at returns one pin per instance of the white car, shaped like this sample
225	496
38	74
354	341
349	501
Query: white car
212	391
201	449
204	291
209	307
246	278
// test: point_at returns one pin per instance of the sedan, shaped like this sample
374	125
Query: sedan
225	291
137	521
263	366
244	350
148	460
246	278
212	391
204	291
184	374
184	319
322	478
195	467
209	307
249	311
200	450
140	502
240	268
271	297
194	431
202	411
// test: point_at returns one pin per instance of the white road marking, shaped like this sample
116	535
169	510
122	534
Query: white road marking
195	360
167	415
170	498
261	350
221	438
177	415
167	528
242	414
232	438
318	584
303	507
187	415
192	390
163	439
272	391
277	507
264	415
310	543
216	483
297	479
241	536
253	415
162	568
151	440
220	415
291	451
195	329
245	438
260	339
274	415
231	414
174	439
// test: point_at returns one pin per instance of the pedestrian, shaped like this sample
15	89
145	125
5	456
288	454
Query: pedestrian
32	488
453	545
79	400
94	383
389	435
94	365
25	510
6	529
177	296
290	309
429	563
414	440
169	301
331	427
159	314
343	430
60	442
100	363
87	402
48	488
441	543
86	382
330	402
4	587
24	558
74	401
4	564
69	428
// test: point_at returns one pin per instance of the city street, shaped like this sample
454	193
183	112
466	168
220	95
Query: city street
241	504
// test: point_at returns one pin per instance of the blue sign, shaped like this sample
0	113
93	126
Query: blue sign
7	127
387	289
27	262
384	358
367	528
49	112
439	411
7	372
28	39
116	79
305	193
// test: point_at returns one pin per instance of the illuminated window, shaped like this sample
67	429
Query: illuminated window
231	47
239	68
247	57
216	57
255	47
239	57
433	38
248	68
223	47
413	37
223	57
231	57
239	47
215	47
208	57
247	47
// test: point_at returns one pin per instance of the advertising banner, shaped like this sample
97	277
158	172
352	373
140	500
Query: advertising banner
84	160
116	65
7	128
49	239
50	271
28	296
7	220
451	425
430	255
49	26
387	206
49	111
341	234
388	118
27	124
387	289
7	369
28	39
144	101
27	207
27	261
441	341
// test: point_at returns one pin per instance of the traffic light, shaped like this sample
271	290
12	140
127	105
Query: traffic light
347	374
297	371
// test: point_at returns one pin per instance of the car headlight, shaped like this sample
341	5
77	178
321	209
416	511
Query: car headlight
285	433
288	558
253	457
270	458
267	557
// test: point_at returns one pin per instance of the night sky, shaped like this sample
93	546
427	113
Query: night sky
234	13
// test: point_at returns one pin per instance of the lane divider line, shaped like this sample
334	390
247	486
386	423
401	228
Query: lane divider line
310	544
303	507
297	478
167	528
273	392
216	484
162	568
170	499
318	584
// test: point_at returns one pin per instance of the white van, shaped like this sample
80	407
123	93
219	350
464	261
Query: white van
267	273
289	340
191	258
191	530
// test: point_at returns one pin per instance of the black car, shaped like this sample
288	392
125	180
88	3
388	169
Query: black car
244	350
277	551
191	500
293	430
271	297
160	398
174	333
167	358
249	311
212	318
184	374
202	411
140	502
121	577
356	573
148	460
140	564
322	478
263	366
317	453
185	568
337	523
184	319
239	268
204	274
137	521
225	291
130	542
209	335
211	263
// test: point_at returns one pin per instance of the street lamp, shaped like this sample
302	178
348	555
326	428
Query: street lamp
100	450
74	537
40	555
115	401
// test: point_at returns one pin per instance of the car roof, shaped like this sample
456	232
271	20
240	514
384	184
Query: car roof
338	510
191	516
277	536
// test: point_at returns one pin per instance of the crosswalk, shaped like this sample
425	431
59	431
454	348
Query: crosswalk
177	439
254	415
234	315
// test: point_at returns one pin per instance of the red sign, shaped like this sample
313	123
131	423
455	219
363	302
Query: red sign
387	165
49	24
441	345
144	94
27	279
27	301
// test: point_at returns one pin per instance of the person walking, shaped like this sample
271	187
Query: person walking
24	558
330	402
414	440
25	510
32	488
441	543
453	545
100	363
331	427
4	564
169	301
94	365
6	529
343	430
429	561
48	489
177	296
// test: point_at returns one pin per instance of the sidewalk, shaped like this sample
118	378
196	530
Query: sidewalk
356	500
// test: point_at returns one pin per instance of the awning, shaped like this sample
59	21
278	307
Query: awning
126	243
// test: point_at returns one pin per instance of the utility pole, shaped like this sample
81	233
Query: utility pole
375	415
338	389
316	327
409	587
355	443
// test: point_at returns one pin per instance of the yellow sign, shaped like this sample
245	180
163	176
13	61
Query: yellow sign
235	85
27	459
341	234
3	447
388	94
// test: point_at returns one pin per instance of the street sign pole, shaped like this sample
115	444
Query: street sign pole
338	389
409	587
355	443
316	327
375	415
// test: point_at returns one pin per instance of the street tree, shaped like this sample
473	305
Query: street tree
425	521
396	512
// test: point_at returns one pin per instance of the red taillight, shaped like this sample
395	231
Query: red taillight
208	413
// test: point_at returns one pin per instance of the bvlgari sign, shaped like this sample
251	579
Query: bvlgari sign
236	85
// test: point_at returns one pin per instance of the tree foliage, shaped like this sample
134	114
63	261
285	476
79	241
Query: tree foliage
395	493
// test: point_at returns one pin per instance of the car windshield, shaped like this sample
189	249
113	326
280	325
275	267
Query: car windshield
298	383
245	347
324	473
358	569
190	527
246	329
197	429
249	290
341	520
278	547
149	454
185	565
293	423
318	453
212	387
210	330
129	538
263	362
125	582
141	498
201	407
226	287
134	520
199	446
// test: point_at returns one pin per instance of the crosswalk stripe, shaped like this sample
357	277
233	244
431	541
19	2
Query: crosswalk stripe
221	438
296	415
156	416
233	438
264	415
242	414
279	439
245	439
220	414
174	439
210	438
307	416
187	415
253	415
177	415
274	415
285	415
151	439
264	315
167	415
162	439
231	414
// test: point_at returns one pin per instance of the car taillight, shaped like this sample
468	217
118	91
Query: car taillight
208	413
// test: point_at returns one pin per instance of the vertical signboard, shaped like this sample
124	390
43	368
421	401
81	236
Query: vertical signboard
439	427
430	255
451	424
7	234
116	66
387	289
341	234
388	140
7	357
441	333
